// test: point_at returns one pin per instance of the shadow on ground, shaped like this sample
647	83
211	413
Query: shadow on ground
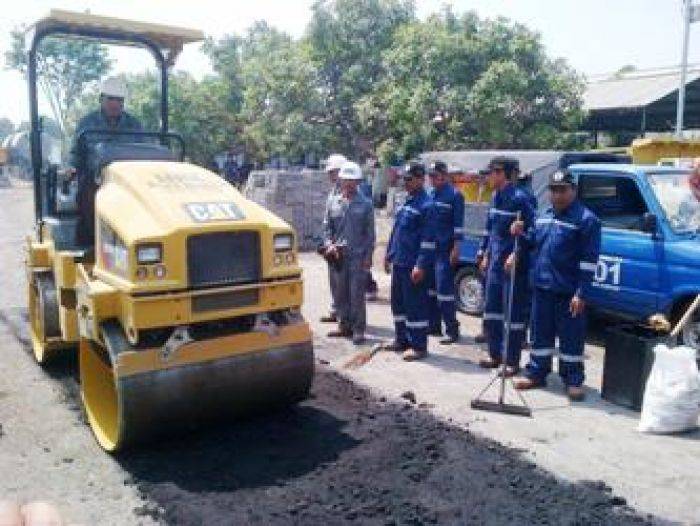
262	451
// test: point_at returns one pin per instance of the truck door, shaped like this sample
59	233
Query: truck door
627	278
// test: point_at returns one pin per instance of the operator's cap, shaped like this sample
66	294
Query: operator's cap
113	87
414	169
438	167
335	162
562	178
510	165
350	171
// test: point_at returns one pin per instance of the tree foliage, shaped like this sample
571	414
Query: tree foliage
346	40
367	78
6	128
65	67
462	82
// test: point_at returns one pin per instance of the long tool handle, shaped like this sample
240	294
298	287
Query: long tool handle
686	317
508	317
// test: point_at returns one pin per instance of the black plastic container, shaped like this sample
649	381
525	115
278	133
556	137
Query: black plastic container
629	355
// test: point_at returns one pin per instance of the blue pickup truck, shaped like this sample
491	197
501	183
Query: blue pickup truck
650	251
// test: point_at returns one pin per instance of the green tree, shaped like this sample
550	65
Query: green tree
458	82
199	111
281	109
346	39
65	68
6	127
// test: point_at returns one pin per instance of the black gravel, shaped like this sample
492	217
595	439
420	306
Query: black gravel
343	457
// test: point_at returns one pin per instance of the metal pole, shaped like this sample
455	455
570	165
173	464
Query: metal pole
684	66
35	133
163	96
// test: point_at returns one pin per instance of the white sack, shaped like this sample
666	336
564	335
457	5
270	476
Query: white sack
672	397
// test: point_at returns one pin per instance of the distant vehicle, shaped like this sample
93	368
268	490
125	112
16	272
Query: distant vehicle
650	251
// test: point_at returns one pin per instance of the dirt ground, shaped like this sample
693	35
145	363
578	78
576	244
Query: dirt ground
354	453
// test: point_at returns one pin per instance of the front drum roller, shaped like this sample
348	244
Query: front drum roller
44	324
125	407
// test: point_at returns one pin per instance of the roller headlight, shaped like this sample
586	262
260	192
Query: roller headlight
283	242
149	253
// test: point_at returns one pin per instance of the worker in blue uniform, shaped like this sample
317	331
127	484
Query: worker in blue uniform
500	260
524	181
409	257
449	231
566	241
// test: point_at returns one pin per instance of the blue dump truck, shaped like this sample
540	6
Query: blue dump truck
650	253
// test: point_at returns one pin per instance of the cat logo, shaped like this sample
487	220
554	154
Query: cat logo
205	212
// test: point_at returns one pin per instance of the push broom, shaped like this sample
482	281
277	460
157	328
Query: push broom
501	406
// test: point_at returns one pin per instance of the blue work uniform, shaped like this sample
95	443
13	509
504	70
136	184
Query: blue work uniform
566	247
87	187
411	244
526	186
505	206
449	228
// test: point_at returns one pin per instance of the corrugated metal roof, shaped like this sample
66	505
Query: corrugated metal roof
635	89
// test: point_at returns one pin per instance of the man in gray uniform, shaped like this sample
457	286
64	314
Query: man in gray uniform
110	117
350	243
333	165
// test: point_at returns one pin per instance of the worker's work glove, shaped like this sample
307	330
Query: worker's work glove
332	252
454	256
576	306
387	266
509	265
417	275
517	228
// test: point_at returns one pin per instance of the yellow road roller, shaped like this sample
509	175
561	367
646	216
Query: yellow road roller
185	302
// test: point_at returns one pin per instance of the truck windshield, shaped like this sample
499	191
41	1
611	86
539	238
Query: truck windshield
679	203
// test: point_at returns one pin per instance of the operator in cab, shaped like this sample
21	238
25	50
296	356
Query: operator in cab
110	117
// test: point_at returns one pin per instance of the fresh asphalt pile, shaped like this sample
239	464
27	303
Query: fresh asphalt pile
345	457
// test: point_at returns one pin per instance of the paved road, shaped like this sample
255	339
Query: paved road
347	455
594	440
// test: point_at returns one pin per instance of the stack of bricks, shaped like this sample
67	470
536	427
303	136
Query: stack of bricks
297	196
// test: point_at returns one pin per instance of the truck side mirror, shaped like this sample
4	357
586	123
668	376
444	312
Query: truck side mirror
650	223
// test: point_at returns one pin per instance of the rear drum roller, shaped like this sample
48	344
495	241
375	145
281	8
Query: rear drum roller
126	406
44	323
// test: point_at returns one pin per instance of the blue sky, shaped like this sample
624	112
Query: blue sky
594	36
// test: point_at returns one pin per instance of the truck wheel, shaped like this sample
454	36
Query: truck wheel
470	291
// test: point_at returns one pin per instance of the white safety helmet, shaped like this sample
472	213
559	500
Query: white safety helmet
113	87
335	162
350	171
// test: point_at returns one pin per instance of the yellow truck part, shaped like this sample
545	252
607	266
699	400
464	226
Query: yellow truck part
652	150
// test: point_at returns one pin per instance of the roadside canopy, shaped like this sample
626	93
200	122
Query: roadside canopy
640	101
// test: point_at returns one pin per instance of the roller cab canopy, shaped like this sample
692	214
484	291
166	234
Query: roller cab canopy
168	39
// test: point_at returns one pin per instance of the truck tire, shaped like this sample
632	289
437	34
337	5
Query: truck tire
470	291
